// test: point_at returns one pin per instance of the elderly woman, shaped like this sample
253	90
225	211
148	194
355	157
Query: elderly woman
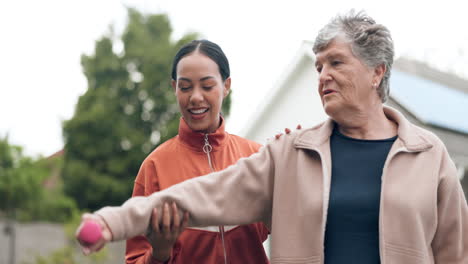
365	186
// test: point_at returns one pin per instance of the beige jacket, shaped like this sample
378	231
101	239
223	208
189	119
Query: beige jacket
423	211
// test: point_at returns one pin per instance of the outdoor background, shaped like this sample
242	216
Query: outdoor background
92	78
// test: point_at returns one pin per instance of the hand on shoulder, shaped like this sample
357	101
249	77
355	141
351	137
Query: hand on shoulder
287	131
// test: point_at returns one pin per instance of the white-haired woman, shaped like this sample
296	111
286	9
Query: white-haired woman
365	186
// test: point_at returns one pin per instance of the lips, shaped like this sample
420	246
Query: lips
198	113
328	91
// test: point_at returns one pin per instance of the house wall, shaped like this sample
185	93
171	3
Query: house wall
299	103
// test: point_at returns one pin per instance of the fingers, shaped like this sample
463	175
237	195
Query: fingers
94	248
175	218
87	217
287	131
166	219
155	220
170	222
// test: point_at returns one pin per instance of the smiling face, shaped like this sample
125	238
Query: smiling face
345	82
200	91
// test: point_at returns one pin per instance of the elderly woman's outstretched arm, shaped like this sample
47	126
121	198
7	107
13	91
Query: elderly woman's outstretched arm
240	194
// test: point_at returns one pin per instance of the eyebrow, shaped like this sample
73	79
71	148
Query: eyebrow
206	78
189	80
333	55
184	79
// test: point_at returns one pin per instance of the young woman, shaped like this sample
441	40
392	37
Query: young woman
201	80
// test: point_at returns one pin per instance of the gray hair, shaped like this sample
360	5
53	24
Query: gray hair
370	42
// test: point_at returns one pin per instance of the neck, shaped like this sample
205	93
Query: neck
196	139
214	127
367	123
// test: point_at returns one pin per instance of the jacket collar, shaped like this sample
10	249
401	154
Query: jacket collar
410	136
196	140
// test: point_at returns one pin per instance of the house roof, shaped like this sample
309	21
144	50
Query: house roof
425	71
435	98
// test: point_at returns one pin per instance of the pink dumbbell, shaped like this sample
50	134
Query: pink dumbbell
90	233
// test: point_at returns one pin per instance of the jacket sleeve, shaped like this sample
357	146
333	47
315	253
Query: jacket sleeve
138	249
450	244
240	194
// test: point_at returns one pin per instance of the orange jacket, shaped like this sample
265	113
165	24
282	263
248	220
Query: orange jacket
182	158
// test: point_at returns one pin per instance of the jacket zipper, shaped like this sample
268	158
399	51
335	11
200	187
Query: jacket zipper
207	148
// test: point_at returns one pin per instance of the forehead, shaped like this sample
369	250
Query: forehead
336	48
196	64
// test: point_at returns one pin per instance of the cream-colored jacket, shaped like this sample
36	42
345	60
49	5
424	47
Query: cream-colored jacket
423	211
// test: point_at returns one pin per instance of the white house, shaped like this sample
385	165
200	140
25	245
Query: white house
294	100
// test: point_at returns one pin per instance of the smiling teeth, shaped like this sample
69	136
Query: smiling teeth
198	111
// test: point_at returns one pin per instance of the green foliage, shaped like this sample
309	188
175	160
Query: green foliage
20	180
52	206
128	109
24	196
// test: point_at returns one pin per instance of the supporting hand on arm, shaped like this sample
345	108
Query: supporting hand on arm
164	235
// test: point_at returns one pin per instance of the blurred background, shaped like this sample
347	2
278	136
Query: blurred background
85	94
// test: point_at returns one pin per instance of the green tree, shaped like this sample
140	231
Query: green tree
20	187
21	179
19	182
128	109
23	194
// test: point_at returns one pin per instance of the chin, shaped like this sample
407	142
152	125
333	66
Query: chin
197	127
331	110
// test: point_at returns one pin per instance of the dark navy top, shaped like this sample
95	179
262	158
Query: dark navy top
352	229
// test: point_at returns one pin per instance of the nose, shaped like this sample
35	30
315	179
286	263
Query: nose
324	75
196	96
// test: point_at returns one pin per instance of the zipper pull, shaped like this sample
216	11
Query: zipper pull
207	148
